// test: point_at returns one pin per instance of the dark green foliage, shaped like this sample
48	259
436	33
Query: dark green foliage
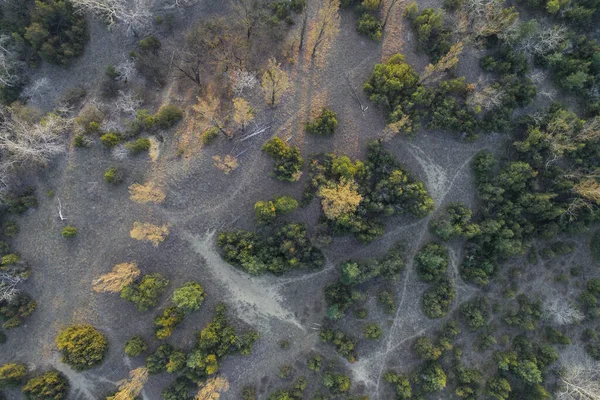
138	145
69	231
324	124
282	9
157	361
401	384
150	44
295	392
314	363
343	343
2	337
469	382
145	293
387	299
426	349
13	312
56	33
432	377
336	383
455	221
11	229
475	312
52	385
341	295
180	389
595	245
248	393
554	336
21	203
527	314
372	331
285	371
498	388
289	248
386	189
135	346
167	321
288	162
434	38
12	374
432	262
438	298
370	26
81	346
215	341
114	176
167	116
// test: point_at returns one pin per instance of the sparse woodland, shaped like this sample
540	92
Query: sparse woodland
299	199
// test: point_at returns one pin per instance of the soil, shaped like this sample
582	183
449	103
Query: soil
201	201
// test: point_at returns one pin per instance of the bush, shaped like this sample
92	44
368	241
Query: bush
135	346
150	44
324	125
146	293
288	162
372	331
387	299
51	385
189	297
167	116
209	135
475	312
110	139
69	231
165	323
12	374
437	299
432	262
82	346
432	377
267	211
426	349
14	311
139	145
157	361
114	176
11	229
343	343
370	26
455	221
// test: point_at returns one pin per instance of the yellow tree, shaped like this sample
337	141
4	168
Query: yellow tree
146	194
243	114
209	109
589	189
444	64
339	200
212	389
130	388
120	276
275	82
149	232
326	26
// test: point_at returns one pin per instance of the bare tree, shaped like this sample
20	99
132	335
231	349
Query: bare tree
127	103
326	26
8	286
130	388
10	66
249	15
274	82
134	14
126	70
37	88
241	79
579	376
562	312
433	72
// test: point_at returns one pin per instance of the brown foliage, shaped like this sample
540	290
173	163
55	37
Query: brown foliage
149	232
146	194
120	276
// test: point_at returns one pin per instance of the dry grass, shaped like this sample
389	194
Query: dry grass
212	389
152	233
121	275
146	194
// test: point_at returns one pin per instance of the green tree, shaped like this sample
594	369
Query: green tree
12	374
498	388
82	346
432	262
135	346
372	331
432	377
165	323
146	293
189	297
50	386
324	124
426	349
401	384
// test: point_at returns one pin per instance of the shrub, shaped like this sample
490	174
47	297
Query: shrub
110	139
180	389
475	312
157	361
82	346
401	384
81	141
285	371
426	349
114	176
324	125
51	385
146	293
314	363
167	116
209	135
14	311
386	298
372	331
267	211
432	262
437	299
135	346
370	26
336	383
455	221
288	162
139	145
343	343
69	231
12	374
167	321
432	377
248	393
150	44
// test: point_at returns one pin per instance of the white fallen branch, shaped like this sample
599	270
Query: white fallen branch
60	214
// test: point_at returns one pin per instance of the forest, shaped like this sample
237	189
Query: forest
299	199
